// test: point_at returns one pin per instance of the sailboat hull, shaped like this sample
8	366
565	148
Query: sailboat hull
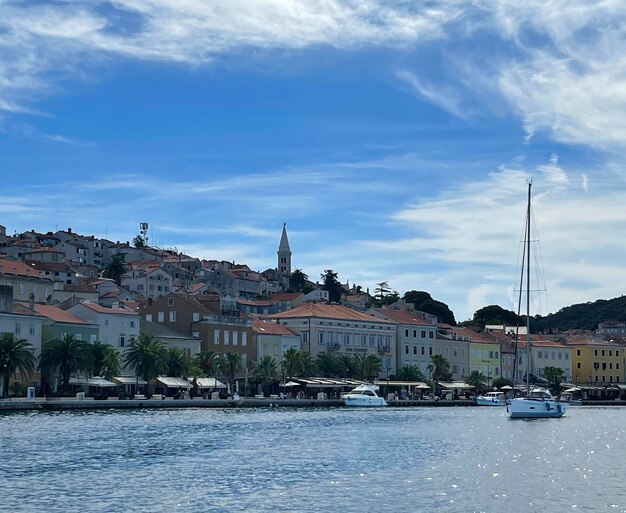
521	408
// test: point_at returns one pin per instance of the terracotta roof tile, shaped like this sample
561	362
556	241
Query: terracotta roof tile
58	315
270	328
104	310
327	311
403	316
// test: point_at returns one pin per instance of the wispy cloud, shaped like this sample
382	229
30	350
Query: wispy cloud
444	97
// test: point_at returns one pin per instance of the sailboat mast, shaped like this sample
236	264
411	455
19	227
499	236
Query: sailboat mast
528	293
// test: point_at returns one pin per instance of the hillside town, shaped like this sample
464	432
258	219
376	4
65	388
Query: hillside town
59	284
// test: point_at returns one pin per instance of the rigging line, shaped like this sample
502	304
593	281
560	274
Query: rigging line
519	308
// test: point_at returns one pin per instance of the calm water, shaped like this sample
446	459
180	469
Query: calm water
295	460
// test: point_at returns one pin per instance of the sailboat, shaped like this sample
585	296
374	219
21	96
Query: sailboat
538	403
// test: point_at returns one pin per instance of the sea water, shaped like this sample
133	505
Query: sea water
313	460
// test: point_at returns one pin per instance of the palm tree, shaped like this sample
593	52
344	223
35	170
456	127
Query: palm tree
146	355
177	362
16	354
207	361
115	268
68	355
439	369
105	360
328	364
370	367
410	373
477	380
229	364
298	280
293	362
266	371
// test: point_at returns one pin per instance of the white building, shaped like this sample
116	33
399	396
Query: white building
323	327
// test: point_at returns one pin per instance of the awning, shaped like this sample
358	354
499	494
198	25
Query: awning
292	384
207	382
456	384
573	389
96	381
127	380
172	382
414	384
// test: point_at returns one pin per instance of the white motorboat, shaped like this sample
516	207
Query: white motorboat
491	399
364	395
538	403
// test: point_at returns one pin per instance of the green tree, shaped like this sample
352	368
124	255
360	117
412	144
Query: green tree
207	361
146	356
554	375
381	290
266	372
494	314
298	281
177	362
16	354
229	364
328	364
366	367
293	362
410	373
477	379
68	355
501	382
139	242
105	360
425	303
332	285
439	369
115	268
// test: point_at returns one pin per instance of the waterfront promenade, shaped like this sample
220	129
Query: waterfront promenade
71	403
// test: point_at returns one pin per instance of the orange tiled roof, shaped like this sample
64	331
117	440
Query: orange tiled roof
56	314
15	268
547	343
327	311
103	309
403	316
270	328
286	296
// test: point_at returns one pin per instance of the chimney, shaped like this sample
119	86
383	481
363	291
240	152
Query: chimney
6	298
31	302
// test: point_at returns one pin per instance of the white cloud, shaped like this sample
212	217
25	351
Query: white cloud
552	172
444	97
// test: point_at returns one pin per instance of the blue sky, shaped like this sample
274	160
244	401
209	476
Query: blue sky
394	138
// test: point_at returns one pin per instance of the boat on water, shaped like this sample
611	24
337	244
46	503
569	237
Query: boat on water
491	399
538	403
364	395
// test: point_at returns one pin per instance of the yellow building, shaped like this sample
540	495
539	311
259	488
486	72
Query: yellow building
595	361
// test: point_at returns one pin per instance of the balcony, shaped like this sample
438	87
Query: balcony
384	349
334	346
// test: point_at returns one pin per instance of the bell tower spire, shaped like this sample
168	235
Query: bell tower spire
284	253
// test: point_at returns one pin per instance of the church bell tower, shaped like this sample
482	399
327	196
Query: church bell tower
284	254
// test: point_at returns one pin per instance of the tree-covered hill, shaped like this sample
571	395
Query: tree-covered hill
583	316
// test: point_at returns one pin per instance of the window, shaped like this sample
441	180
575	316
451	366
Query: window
490	355
244	361
610	353
414	333
423	333
216	337
423	350
18	328
149	317
79	336
170	301
415	350
244	338
454	351
92	338
226	337
539	355
195	317
195	333
603	355
172	316
577	352
161	317
430	350
122	341
122	324
372	341
431	334
406	349
235	338
595	353
132	324
22	289
31	328
406	332
320	338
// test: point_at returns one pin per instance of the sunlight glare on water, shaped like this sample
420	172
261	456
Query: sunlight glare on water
312	460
